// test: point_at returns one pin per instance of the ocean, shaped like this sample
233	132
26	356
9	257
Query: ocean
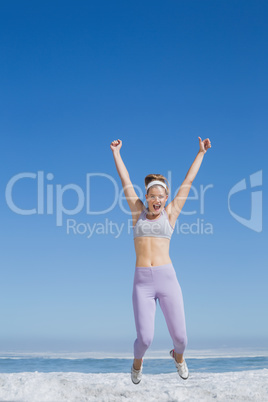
222	375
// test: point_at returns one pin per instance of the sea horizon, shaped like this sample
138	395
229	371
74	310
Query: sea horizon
197	353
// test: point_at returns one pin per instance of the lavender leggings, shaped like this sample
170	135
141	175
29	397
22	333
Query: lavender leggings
152	283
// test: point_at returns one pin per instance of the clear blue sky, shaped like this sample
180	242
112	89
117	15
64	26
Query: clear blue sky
74	77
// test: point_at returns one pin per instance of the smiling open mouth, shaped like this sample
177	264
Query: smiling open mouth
156	207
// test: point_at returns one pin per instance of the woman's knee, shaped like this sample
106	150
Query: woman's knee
180	342
145	340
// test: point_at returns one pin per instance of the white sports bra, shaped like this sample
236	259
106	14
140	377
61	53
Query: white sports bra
160	227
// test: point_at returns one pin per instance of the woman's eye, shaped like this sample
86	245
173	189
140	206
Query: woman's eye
160	197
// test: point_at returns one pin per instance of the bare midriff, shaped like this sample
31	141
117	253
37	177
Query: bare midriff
152	251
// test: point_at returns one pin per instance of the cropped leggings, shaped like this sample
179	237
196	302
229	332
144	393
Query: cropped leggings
152	283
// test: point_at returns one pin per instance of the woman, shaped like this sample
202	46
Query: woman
155	277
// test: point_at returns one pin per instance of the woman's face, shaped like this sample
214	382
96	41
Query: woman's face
156	199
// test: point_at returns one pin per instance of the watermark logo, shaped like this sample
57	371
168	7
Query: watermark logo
255	220
50	198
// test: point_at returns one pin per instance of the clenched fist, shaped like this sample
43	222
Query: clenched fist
116	145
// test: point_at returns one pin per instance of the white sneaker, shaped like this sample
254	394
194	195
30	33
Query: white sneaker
181	367
136	374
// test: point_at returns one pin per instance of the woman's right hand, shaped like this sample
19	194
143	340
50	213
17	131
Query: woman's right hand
116	145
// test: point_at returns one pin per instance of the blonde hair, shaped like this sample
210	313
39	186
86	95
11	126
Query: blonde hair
151	177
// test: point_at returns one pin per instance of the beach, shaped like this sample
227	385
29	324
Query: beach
58	377
59	387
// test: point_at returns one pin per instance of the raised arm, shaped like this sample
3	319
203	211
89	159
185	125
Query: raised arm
135	203
174	208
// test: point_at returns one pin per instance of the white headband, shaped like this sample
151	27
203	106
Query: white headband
152	183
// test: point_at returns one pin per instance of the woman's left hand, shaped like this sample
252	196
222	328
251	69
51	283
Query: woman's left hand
204	145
